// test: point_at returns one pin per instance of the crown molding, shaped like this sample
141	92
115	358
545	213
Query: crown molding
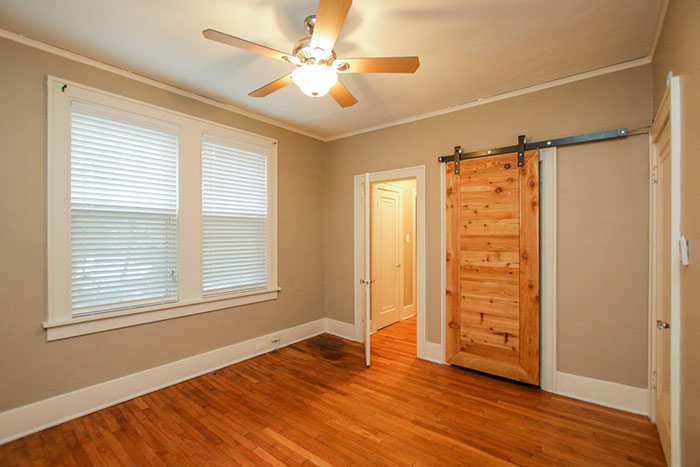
500	97
150	81
207	100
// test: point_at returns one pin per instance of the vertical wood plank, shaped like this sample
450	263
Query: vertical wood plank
494	237
452	282
530	266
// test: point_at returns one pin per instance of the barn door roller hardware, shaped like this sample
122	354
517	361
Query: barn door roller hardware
523	146
521	150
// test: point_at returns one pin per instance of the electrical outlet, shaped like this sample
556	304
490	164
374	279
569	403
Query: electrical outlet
259	346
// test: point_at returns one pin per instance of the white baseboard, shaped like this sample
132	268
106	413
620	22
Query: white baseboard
37	416
340	329
609	394
434	353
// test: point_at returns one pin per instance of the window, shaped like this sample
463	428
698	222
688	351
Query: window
234	217
123	211
152	214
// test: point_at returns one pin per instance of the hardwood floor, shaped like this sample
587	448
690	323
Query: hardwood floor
315	403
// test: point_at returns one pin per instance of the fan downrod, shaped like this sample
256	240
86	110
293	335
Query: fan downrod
302	48
309	23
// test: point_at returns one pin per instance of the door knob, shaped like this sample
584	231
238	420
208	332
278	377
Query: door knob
398	265
661	325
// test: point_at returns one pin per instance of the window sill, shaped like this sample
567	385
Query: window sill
103	322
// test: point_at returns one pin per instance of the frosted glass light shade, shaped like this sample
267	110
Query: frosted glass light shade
315	80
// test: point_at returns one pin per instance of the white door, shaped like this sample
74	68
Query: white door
663	304
386	255
665	271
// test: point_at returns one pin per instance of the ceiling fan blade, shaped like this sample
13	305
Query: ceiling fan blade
378	65
342	96
272	87
329	20
243	44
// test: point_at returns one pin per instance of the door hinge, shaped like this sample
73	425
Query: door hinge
653	379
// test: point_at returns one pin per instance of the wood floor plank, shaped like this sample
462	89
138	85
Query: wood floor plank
315	403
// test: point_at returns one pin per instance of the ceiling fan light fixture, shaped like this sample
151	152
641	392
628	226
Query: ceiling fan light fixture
315	80
315	58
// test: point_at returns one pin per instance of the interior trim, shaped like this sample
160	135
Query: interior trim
106	321
417	172
207	100
548	271
21	421
434	353
606	393
341	329
150	81
500	97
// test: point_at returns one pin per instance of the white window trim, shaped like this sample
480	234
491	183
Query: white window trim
60	323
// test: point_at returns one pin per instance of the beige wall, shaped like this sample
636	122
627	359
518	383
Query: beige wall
33	369
621	99
603	259
312	215
679	51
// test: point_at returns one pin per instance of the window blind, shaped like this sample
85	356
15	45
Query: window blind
123	212
234	218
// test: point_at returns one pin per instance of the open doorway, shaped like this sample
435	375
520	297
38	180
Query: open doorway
392	253
403	300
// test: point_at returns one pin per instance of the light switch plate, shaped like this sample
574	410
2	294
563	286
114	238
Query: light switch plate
685	254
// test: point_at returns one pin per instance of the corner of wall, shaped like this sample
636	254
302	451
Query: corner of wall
324	227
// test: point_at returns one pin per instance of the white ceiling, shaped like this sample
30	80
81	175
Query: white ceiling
469	49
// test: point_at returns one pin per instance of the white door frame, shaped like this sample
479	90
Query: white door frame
366	240
418	173
668	110
548	269
548	266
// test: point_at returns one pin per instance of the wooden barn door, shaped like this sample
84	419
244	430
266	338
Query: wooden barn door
493	266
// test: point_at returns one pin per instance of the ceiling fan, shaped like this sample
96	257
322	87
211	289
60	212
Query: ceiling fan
317	64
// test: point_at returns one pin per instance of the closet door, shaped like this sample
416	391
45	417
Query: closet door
387	254
493	266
